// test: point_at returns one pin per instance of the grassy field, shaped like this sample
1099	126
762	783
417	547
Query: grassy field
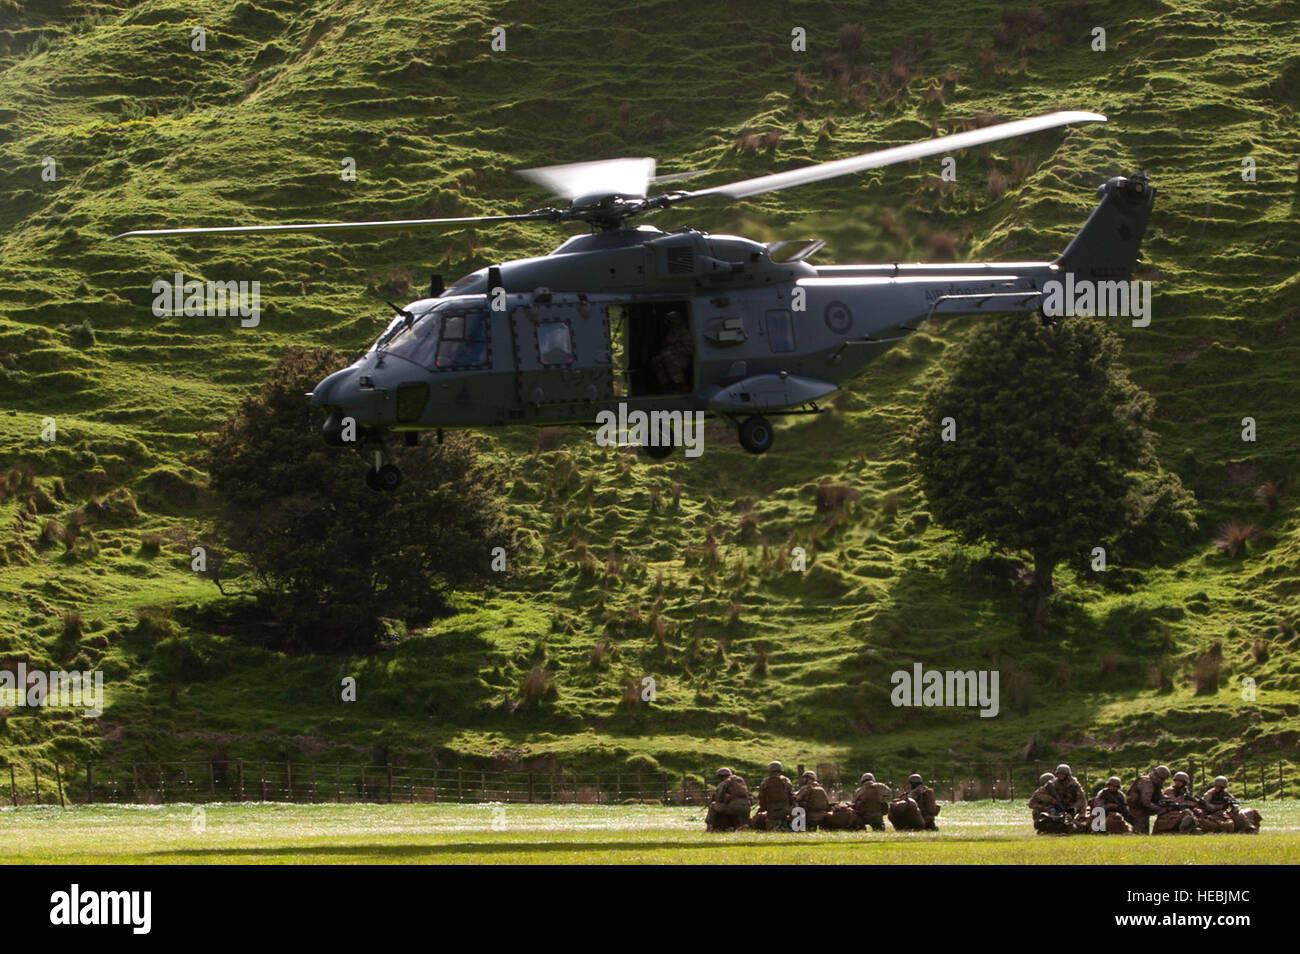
676	570
971	833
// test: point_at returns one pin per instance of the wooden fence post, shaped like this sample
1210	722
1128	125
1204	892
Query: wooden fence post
13	785
58	775
390	783
90	784
36	776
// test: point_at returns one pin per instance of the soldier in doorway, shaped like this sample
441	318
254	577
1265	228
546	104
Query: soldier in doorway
672	365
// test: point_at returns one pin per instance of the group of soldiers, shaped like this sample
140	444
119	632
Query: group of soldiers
1060	806
783	807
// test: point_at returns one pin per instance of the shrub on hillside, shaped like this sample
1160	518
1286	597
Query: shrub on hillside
329	556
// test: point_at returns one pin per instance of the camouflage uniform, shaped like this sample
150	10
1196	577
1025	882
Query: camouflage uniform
812	798
1142	800
775	799
914	809
1221	807
1070	795
729	808
1041	803
870	802
1182	812
1111	801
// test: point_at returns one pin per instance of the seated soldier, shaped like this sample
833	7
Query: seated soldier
1111	801
1043	808
1177	815
915	809
1221	806
775	799
814	801
871	801
729	808
1071	798
1187	808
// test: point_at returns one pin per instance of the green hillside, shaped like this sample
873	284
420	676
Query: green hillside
679	570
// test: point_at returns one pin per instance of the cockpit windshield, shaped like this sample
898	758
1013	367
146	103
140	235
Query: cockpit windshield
399	328
447	336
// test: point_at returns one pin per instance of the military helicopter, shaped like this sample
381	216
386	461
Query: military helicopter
673	321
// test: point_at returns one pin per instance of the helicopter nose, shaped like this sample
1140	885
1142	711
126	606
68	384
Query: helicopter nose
324	393
332	393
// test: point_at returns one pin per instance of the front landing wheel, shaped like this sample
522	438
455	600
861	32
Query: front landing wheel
387	478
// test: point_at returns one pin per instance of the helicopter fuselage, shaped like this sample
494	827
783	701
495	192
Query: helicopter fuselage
560	338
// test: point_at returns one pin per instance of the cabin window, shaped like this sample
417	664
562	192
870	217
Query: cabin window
554	342
464	341
780	331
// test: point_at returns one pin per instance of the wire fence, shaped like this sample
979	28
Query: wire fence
240	780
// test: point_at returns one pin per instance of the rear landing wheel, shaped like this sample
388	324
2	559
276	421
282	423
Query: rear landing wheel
657	451
756	434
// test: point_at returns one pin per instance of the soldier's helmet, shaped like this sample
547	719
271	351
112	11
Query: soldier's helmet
1114	780
1220	781
1044	778
724	772
1063	770
774	767
1162	771
914	779
866	777
1182	777
809	774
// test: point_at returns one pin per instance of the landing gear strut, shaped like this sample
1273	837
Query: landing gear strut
756	434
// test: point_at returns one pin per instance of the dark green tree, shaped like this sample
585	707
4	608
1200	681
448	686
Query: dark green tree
1053	452
331	556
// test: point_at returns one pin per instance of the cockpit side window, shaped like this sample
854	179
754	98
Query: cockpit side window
464	341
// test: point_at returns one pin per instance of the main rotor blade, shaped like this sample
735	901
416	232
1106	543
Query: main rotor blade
886	157
679	176
629	177
547	214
